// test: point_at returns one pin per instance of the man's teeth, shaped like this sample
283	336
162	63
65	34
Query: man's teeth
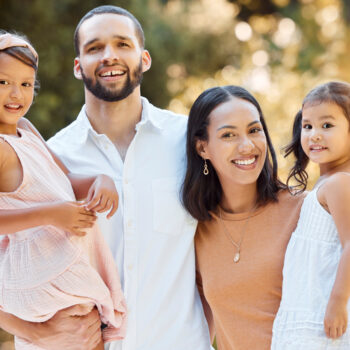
112	73
244	161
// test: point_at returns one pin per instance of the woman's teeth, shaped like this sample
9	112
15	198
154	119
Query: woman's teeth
244	161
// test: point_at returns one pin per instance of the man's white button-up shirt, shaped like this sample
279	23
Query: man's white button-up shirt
151	235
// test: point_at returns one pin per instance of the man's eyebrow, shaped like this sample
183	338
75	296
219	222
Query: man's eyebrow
90	42
121	37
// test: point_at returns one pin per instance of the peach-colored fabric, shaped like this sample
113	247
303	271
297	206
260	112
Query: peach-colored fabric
244	297
9	40
44	269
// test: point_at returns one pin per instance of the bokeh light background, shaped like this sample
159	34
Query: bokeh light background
277	49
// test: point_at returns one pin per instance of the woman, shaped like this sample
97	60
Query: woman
246	216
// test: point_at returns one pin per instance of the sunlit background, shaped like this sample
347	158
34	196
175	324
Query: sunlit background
277	49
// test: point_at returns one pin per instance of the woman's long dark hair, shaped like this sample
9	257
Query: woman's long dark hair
332	92
202	193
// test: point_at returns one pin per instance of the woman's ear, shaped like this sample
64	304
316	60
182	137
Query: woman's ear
201	148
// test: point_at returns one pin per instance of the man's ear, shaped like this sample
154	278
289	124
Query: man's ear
77	69
146	61
201	148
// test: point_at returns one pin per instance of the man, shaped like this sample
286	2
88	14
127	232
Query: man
142	148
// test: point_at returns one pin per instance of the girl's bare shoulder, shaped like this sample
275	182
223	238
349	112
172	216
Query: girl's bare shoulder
336	186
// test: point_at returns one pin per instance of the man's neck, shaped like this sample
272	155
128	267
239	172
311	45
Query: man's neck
117	120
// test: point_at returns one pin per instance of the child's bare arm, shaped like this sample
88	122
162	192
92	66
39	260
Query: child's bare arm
69	216
336	195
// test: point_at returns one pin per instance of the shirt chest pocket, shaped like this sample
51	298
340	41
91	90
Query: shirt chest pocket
169	216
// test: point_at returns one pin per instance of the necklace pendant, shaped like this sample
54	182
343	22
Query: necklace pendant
236	257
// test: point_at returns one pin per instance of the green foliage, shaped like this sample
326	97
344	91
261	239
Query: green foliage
170	38
194	45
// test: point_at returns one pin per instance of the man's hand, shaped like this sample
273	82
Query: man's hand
102	196
67	332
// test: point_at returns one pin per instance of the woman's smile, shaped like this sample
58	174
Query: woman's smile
236	145
245	163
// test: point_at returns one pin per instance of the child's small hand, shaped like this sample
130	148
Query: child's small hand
102	196
336	318
70	216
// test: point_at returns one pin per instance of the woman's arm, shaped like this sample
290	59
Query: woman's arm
60	332
335	194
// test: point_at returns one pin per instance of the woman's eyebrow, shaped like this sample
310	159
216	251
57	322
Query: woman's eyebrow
235	127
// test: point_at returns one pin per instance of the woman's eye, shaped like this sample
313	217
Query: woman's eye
228	135
327	125
255	130
3	82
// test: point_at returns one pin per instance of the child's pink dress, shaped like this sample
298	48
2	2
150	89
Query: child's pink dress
44	269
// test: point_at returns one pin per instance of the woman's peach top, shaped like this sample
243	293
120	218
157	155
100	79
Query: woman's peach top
244	297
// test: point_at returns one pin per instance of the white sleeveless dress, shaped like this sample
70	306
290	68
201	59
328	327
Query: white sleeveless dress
309	272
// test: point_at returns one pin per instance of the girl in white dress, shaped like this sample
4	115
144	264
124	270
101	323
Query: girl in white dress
313	314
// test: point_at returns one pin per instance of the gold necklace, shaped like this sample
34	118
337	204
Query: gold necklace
237	255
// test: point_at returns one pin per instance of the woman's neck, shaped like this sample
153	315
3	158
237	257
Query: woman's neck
239	198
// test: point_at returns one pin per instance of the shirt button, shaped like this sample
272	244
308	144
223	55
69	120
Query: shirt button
130	223
126	181
130	267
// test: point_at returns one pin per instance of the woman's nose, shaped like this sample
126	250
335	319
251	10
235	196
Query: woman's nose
246	145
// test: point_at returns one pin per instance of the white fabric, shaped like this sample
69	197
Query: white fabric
151	235
309	272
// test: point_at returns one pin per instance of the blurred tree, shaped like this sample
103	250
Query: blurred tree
277	49
50	26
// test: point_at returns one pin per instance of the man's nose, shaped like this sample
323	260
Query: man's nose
110	54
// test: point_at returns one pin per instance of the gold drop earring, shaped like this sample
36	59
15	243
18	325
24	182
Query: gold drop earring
205	170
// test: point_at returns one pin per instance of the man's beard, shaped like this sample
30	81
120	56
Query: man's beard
110	95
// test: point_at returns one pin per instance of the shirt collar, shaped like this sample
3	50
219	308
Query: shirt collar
84	124
148	116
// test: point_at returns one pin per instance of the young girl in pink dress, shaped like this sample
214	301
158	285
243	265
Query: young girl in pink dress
52	256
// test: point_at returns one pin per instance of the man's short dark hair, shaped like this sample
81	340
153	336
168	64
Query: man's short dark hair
109	9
